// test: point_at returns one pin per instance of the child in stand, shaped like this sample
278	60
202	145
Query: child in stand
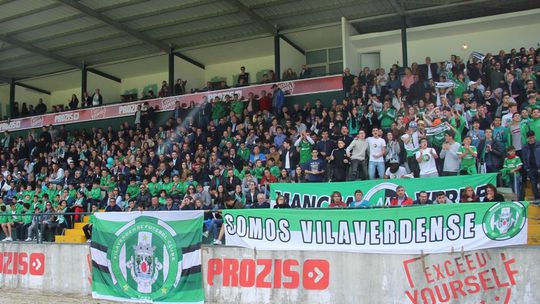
510	172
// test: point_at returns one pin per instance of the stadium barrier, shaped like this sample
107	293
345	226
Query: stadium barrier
501	275
291	88
50	268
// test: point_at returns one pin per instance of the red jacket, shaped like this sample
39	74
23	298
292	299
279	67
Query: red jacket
407	202
337	205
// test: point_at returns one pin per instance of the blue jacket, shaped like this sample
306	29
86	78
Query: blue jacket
278	99
526	152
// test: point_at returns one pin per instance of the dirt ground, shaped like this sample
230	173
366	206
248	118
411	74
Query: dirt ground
31	297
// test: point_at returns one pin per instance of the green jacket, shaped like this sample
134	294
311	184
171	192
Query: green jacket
533	125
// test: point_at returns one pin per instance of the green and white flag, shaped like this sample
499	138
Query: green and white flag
403	230
379	192
147	257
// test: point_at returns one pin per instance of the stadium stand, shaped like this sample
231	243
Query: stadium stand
435	119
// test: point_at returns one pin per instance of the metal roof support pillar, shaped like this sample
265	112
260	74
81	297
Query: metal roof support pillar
171	72
84	83
277	57
11	97
404	40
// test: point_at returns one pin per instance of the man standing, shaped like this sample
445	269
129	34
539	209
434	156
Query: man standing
377	149
314	168
531	160
426	160
357	152
449	154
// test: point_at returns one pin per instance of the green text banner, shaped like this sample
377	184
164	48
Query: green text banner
379	192
402	230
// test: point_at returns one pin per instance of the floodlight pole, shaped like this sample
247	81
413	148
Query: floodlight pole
404	40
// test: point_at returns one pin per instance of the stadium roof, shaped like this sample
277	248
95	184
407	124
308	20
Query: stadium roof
40	37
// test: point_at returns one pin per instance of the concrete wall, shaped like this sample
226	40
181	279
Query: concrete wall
228	70
487	34
350	55
290	57
506	275
236	275
51	268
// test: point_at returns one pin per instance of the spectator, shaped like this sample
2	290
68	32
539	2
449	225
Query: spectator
180	87
394	171
243	77
357	151
492	195
467	153
336	201
442	199
289	74
73	102
340	162
511	171
164	90
426	159
468	195
423	199
314	168
377	150
278	99
97	98
113	207
401	198
450	155
281	203
41	108
305	72
531	161
359	201
262	202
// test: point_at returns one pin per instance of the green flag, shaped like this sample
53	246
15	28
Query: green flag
147	257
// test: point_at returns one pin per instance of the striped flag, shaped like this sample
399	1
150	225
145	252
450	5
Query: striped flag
478	55
144	257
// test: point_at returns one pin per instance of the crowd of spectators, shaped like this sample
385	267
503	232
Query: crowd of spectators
179	88
423	121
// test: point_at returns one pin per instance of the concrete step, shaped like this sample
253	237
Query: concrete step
79	226
70	239
73	232
534	212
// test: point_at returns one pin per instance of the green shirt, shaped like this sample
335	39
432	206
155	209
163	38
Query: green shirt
305	151
167	187
133	190
387	118
258	172
244	153
511	164
238	107
153	188
459	130
176	188
468	162
275	171
94	193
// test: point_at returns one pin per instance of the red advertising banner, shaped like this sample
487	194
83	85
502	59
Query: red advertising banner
291	88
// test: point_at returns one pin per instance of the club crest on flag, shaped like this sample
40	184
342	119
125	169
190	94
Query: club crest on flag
504	220
144	260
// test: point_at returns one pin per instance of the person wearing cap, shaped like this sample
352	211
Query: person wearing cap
531	161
